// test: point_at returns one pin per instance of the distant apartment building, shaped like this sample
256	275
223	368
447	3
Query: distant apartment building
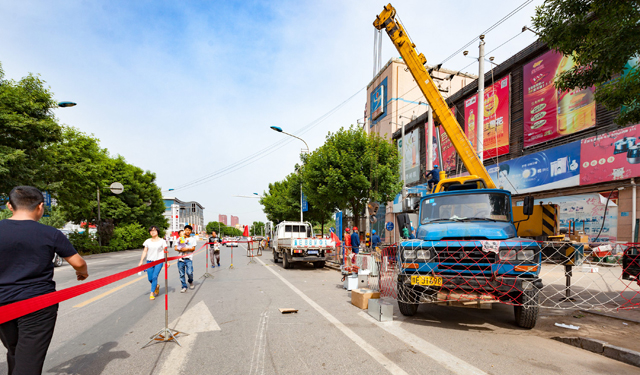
179	213
222	219
234	221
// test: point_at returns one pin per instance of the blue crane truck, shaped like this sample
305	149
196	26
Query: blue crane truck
467	251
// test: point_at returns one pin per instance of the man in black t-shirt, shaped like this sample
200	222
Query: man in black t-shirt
26	271
214	249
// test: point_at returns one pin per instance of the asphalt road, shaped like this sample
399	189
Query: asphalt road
235	327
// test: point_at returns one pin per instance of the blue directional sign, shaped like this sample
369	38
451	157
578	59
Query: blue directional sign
47	203
389	226
305	204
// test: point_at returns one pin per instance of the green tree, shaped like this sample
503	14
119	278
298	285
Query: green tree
27	129
351	169
215	226
604	36
257	228
56	217
282	201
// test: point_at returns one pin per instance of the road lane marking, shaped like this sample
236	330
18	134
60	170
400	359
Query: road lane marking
90	300
373	352
196	320
445	359
260	346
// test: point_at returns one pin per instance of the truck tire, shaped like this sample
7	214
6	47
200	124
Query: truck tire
275	256
406	309
286	264
527	312
318	264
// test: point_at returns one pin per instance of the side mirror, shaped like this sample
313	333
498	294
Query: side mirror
527	209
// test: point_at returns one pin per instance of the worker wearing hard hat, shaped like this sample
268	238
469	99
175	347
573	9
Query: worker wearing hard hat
435	177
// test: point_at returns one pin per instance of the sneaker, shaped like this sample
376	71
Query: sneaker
152	297
191	286
157	291
183	290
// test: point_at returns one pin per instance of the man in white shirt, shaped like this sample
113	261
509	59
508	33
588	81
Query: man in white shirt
185	265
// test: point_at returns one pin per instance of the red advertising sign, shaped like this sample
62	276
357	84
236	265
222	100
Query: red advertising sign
610	156
448	151
549	113
496	119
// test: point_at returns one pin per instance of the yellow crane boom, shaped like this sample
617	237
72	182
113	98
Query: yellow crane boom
415	63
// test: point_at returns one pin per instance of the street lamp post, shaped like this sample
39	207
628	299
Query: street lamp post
116	188
279	130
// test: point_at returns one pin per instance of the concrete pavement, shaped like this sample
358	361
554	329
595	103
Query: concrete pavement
104	332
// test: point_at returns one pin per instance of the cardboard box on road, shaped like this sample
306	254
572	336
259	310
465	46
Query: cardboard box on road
360	297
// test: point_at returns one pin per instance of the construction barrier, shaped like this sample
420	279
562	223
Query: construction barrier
559	275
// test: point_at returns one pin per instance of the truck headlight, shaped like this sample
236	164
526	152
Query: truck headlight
526	255
424	254
507	254
409	254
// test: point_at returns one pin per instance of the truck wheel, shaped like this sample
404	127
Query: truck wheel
57	261
286	264
275	256
527	312
407	309
318	264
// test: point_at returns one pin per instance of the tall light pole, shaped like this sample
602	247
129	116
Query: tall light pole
279	130
404	172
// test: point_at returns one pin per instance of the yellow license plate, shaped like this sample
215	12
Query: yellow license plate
426	280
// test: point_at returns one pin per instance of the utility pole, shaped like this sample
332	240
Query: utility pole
98	226
404	167
480	123
430	140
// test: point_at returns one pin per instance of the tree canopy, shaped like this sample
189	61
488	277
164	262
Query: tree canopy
604	37
351	169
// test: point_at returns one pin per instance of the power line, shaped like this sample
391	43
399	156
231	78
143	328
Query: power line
265	151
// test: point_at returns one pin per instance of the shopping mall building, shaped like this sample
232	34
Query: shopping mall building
179	214
561	147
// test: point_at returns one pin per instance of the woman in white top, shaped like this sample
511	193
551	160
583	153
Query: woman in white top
154	249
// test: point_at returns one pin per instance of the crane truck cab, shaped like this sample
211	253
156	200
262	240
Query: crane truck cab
467	253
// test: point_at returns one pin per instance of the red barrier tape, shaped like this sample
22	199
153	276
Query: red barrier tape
27	306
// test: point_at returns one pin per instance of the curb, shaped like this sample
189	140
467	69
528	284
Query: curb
627	356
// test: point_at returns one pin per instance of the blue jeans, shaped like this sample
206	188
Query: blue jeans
188	265
355	249
152	274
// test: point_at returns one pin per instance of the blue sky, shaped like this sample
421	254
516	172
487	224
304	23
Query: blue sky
188	88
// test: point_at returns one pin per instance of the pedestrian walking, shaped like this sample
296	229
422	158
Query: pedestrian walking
154	249
435	177
27	249
185	264
214	249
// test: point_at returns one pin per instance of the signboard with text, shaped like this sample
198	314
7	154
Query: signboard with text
377	102
549	113
496	119
610	156
411	154
557	167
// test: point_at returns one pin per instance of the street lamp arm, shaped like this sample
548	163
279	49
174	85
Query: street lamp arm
291	135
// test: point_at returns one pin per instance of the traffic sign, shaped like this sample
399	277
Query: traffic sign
305	204
389	226
116	188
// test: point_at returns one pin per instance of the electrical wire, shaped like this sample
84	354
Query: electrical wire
265	151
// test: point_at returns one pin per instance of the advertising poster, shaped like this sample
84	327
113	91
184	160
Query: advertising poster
587	211
558	167
433	147
411	154
496	119
610	156
378	102
448	162
549	113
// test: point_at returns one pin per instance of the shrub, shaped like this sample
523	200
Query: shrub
84	242
126	237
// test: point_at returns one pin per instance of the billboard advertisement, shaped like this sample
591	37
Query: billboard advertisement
610	156
557	167
549	113
411	156
496	119
378	102
448	162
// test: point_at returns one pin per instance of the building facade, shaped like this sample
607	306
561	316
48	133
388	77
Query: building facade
179	213
393	99
222	219
234	221
561	147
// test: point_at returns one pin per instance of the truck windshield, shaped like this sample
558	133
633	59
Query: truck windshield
464	207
